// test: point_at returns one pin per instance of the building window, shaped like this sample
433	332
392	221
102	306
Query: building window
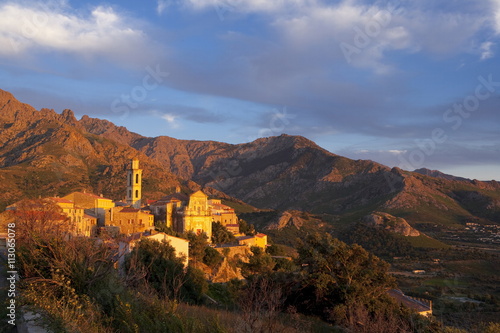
137	178
130	193
137	193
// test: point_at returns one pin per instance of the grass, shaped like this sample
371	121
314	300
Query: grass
475	267
451	283
424	241
205	319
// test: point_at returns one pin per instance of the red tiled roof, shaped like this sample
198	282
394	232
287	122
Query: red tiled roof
171	197
221	206
260	235
61	200
92	195
130	210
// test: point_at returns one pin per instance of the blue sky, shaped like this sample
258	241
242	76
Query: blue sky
404	83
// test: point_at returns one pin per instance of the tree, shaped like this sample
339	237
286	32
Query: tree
220	234
60	274
259	263
246	228
39	219
260	301
212	257
335	273
197	245
163	271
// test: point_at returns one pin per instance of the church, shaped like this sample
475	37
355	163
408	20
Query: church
184	213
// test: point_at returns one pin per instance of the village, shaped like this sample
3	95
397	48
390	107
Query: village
124	223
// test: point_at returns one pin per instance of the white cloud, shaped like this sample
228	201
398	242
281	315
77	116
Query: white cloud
162	6
102	32
486	51
390	151
395	151
363	33
171	119
249	6
496	15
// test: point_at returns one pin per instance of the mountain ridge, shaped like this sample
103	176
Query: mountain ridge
283	172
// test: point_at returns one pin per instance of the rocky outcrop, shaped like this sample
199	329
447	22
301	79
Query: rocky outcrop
390	223
288	218
229	268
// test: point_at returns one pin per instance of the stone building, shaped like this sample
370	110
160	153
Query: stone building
94	205
223	214
180	245
259	240
130	220
185	213
77	222
134	184
83	224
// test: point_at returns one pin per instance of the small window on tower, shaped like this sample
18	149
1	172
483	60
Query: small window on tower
136	193
137	178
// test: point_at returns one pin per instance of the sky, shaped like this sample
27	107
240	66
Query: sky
405	83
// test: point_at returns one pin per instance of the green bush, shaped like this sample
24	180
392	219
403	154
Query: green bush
212	257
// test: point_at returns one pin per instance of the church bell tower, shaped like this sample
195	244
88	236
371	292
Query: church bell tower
134	184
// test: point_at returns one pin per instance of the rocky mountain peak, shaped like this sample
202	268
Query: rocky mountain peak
11	109
108	130
6	96
287	141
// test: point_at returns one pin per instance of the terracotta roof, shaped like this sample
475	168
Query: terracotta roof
87	216
130	210
171	197
61	200
92	195
260	235
221	206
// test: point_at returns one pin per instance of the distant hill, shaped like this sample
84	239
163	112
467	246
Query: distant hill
46	153
439	174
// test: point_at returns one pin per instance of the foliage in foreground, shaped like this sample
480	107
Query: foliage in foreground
72	282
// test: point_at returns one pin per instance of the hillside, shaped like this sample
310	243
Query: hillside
43	153
46	153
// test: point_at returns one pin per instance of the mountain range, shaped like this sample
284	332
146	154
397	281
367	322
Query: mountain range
44	153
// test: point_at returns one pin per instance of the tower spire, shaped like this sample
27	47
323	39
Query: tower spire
134	184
